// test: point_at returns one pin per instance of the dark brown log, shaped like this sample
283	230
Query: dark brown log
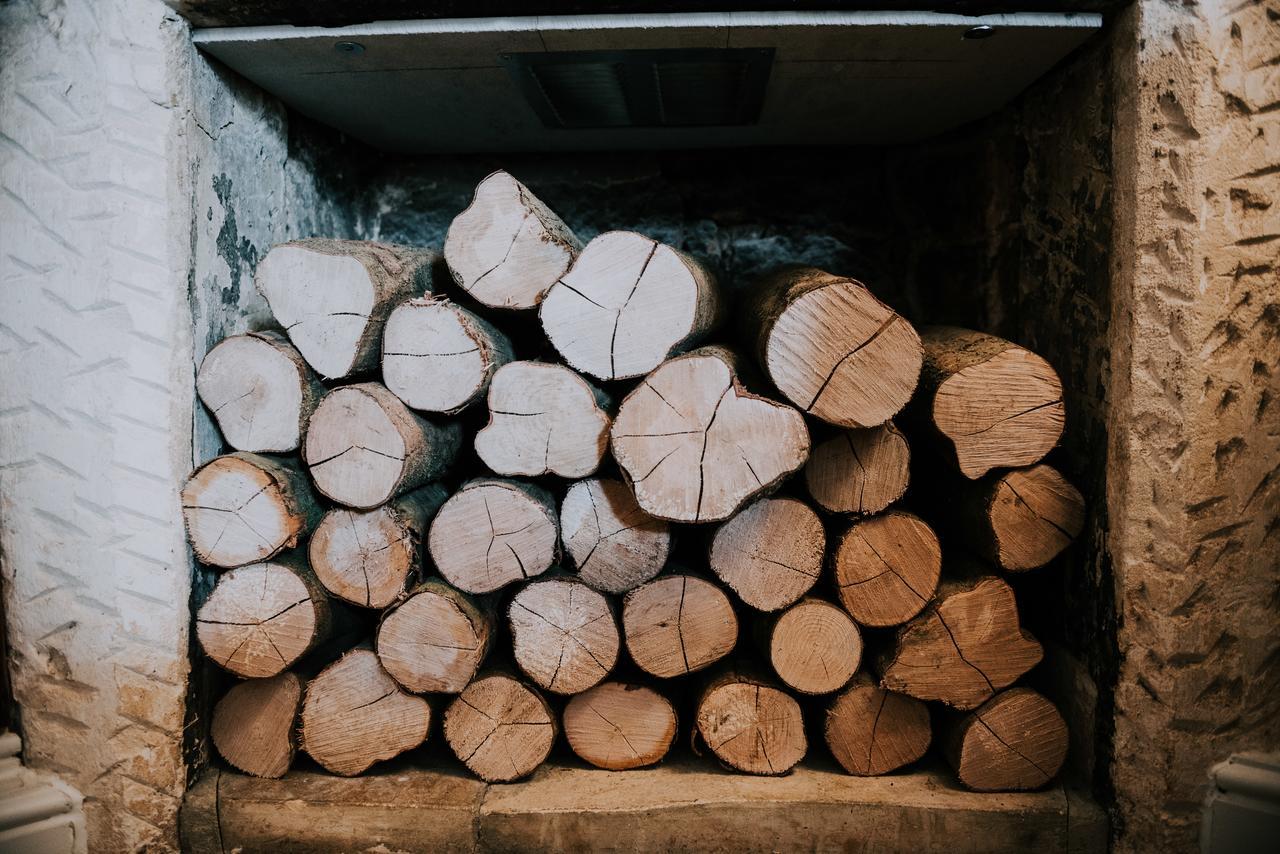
887	568
859	471
872	731
1017	740
1021	519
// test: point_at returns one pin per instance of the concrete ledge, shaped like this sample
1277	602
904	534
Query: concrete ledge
682	806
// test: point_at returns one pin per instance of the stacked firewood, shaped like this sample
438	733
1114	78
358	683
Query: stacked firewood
676	508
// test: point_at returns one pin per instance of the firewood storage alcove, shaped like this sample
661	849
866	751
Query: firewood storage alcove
478	573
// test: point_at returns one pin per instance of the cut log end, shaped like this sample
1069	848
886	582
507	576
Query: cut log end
439	357
492	533
770	554
355	715
435	640
259	390
543	419
696	446
1016	741
872	731
500	728
627	304
859	471
253	725
814	647
751	726
564	635
260	619
678	624
1034	514
507	248
887	568
614	545
618	726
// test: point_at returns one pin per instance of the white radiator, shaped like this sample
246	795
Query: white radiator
39	814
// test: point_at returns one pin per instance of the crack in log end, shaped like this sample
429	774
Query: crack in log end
893	318
993	425
510	247
960	654
684	653
875	724
1044	775
702	459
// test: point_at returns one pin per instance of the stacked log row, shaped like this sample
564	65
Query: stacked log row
500	567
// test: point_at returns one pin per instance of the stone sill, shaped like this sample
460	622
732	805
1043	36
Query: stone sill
683	805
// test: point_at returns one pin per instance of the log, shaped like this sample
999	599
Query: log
991	403
492	532
887	568
750	724
564	634
364	447
696	446
355	715
543	419
370	558
614	545
813	646
241	508
678	624
626	305
500	728
770	554
966	646
872	731
859	471
253	724
619	726
333	296
435	640
439	357
832	348
1021	519
508	248
1015	741
259	391
260	619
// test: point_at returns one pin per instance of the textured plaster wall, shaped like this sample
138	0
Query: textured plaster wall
1194	426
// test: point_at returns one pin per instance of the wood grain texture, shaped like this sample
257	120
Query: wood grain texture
614	545
813	646
1015	741
500	728
859	471
620	726
886	568
1022	519
678	624
770	553
435	640
254	724
750	724
564	634
695	445
628	303
871	731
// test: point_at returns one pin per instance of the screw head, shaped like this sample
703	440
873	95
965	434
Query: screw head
349	47
982	31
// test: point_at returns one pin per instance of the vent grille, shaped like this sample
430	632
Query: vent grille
643	88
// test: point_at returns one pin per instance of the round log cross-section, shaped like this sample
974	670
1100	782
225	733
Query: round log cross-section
435	640
619	726
500	728
751	725
678	624
770	554
614	545
564	634
887	568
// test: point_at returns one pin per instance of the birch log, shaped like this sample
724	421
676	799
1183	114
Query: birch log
750	724
435	640
627	304
254	724
872	731
500	728
887	568
260	391
1015	741
770	553
859	471
696	445
678	624
614	545
564	634
333	296
620	726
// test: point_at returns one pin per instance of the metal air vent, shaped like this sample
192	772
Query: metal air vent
643	88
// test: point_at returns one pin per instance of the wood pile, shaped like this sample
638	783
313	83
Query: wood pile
675	516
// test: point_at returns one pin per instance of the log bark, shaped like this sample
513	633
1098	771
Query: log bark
1021	519
260	619
355	715
872	731
500	728
990	403
254	724
619	726
241	508
813	646
964	648
627	304
859	471
832	348
678	624
370	558
614	545
439	357
1015	741
492	532
435	640
696	446
260	392
770	553
364	447
564	634
543	419
750	724
887	568
508	248
333	296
